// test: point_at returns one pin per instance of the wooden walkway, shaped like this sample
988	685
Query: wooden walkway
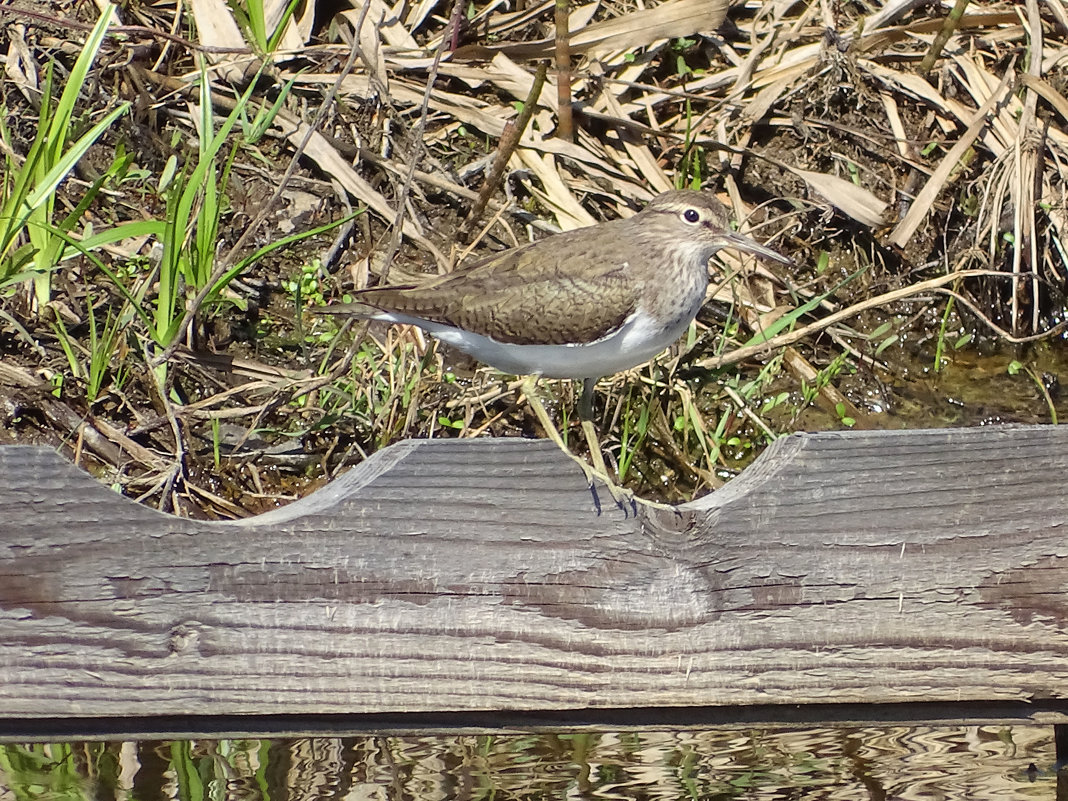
458	585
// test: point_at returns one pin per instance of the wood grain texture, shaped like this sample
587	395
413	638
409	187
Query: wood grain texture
477	577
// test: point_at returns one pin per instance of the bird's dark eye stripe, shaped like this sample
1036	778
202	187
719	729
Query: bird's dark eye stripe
691	215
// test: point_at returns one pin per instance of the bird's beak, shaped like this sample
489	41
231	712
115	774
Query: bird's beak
732	239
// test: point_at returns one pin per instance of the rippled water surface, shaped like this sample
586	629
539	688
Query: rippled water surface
873	763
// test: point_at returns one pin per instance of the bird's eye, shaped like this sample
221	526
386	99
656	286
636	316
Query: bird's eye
691	215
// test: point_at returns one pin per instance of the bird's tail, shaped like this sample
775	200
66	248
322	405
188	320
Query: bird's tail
364	309
361	310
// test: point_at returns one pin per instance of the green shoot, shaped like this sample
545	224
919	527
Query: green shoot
29	247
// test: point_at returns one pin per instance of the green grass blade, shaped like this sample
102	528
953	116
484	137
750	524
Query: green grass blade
273	246
60	123
62	168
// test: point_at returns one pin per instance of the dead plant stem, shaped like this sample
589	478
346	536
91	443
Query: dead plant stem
749	351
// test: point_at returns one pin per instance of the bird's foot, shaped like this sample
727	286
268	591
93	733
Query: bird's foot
597	475
624	498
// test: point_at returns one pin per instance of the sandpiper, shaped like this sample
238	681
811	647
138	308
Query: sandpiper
582	304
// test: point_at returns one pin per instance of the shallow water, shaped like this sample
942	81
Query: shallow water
870	763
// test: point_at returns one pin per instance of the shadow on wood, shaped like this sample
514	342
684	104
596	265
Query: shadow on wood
866	576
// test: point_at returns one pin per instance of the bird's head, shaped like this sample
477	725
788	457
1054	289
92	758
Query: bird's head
697	221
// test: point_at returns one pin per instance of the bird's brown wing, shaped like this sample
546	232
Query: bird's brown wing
556	312
529	295
548	312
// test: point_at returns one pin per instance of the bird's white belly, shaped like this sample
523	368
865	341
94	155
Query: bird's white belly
638	340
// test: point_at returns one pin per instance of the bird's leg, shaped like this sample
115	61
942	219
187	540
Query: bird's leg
585	406
622	498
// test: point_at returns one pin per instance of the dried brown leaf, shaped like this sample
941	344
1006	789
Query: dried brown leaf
846	196
669	20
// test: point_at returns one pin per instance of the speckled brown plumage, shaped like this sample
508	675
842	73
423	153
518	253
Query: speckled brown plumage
533	294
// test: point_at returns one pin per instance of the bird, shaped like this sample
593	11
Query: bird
583	304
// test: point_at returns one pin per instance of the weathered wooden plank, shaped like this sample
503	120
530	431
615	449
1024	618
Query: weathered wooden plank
478	577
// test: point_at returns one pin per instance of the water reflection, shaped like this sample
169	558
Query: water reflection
873	763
